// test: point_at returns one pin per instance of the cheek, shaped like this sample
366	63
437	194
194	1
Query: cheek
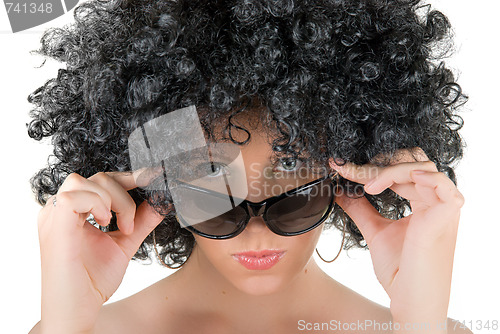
301	248
214	256
213	252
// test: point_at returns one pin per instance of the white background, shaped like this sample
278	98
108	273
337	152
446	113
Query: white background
475	293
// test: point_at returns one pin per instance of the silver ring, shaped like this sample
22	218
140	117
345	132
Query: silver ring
54	201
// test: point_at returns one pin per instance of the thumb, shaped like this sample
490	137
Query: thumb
146	220
368	220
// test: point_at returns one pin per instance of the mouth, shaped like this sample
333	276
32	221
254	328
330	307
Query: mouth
259	260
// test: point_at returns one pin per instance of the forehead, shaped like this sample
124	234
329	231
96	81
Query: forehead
177	138
238	125
255	132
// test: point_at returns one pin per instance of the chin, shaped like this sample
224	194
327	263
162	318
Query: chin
261	285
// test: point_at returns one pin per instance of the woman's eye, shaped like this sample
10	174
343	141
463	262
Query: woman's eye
214	169
288	165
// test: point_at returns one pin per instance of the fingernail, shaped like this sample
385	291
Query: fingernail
369	184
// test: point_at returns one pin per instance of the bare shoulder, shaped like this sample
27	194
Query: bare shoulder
36	329
119	317
123	316
367	316
350	312
357	306
135	314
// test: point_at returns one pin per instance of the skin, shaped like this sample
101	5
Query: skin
212	293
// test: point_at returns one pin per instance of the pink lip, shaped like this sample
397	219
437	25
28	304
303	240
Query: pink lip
259	260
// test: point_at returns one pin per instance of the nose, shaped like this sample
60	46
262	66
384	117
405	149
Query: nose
256	224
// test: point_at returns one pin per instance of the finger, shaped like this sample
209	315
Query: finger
74	206
139	178
365	173
75	182
360	174
397	174
121	202
365	216
427	195
443	187
146	220
414	192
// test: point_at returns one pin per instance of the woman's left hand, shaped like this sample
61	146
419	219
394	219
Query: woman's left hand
413	256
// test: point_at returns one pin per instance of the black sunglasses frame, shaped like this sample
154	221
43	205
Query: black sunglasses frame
253	209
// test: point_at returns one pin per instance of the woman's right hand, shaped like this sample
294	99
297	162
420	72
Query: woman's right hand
81	265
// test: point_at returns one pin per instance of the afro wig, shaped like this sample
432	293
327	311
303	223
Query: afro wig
342	79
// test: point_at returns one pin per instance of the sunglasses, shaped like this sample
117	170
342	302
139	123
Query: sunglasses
291	213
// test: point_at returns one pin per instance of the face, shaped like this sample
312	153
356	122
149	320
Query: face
258	261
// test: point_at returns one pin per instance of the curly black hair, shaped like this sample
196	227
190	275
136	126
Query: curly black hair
348	79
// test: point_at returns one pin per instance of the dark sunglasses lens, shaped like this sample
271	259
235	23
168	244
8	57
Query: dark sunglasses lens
198	206
223	225
302	210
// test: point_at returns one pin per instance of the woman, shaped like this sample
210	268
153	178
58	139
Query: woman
309	98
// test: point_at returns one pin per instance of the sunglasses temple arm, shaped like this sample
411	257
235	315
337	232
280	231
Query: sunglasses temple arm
229	191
